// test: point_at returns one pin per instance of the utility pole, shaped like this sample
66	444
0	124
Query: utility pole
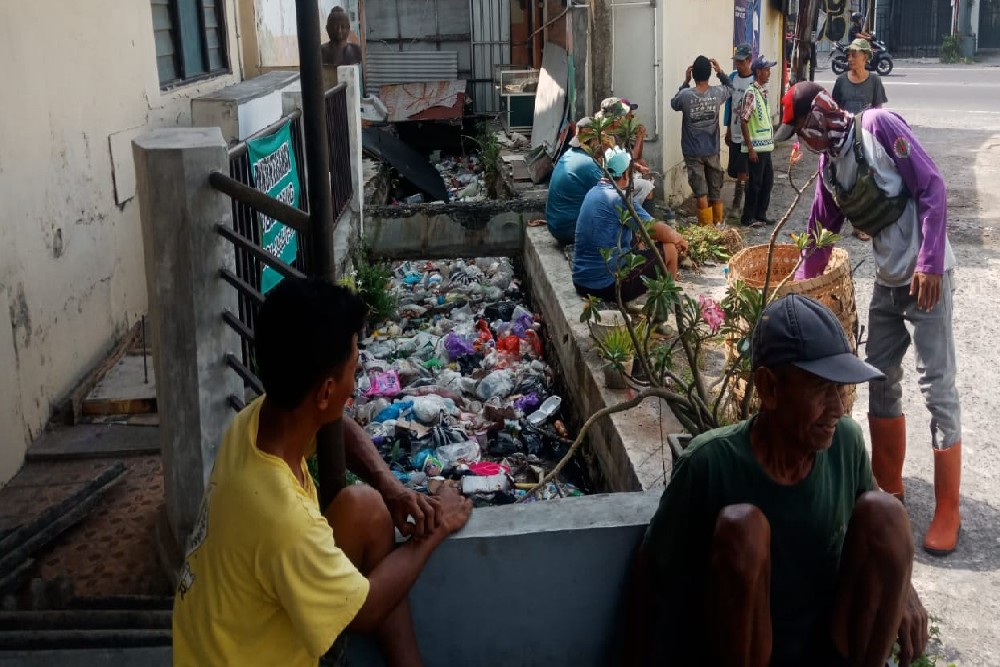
804	19
330	439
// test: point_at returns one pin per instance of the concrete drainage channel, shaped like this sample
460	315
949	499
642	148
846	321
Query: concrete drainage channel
577	550
628	451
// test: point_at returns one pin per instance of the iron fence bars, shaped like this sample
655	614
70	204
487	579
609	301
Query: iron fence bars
245	235
338	139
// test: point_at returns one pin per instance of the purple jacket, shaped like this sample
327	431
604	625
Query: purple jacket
904	160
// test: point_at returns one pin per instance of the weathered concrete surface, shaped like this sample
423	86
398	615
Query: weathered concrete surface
183	255
243	108
431	231
539	584
153	656
629	450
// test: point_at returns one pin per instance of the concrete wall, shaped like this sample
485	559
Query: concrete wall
690	29
82	83
450	230
641	53
529	585
246	107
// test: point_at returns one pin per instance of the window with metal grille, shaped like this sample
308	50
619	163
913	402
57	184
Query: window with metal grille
190	39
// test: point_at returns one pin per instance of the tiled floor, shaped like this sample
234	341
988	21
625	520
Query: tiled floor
112	551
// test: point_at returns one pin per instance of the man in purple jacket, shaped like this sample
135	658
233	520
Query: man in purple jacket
874	172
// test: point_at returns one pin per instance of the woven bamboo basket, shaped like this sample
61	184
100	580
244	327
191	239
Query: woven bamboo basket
834	289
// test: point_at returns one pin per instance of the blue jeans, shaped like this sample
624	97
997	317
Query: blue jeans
890	310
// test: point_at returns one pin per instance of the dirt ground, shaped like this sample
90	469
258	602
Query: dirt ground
962	591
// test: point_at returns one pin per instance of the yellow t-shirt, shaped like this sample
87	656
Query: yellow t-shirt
263	582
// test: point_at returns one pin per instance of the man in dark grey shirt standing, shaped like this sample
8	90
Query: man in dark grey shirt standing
700	135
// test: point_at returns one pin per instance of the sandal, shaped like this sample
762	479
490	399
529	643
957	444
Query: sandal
860	235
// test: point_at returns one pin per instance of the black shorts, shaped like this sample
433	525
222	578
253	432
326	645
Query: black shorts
739	162
632	286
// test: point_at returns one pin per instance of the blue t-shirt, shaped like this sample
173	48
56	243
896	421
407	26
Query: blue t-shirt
574	175
599	227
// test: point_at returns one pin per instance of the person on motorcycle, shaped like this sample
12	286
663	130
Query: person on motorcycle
857	28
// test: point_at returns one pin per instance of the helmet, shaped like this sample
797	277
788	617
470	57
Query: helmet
857	16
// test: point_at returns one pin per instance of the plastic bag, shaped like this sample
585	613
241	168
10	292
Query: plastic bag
425	461
502	310
460	452
428	409
365	413
384	384
497	384
394	411
510	345
457	347
527	403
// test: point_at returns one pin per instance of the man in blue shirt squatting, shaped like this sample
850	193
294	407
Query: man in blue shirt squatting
599	226
574	175
771	546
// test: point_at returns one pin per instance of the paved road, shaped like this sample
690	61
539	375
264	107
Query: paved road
955	112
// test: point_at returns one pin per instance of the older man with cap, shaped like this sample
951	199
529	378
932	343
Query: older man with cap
599	227
758	144
771	546
574	175
618	109
858	89
875	173
741	79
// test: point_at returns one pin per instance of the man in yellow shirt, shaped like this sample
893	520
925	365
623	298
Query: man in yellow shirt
266	581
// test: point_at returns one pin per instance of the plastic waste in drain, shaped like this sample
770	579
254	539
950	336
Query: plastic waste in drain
545	412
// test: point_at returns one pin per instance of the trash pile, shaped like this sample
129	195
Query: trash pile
457	391
463	175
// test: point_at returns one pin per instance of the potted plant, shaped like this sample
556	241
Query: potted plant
616	348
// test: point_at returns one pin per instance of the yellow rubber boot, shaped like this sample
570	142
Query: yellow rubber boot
705	216
718	213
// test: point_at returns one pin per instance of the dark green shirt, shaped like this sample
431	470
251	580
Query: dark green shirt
808	525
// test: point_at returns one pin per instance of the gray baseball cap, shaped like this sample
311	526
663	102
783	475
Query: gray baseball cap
801	331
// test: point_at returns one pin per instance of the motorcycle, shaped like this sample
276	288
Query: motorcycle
880	62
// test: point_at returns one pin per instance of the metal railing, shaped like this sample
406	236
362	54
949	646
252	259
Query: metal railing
338	139
245	276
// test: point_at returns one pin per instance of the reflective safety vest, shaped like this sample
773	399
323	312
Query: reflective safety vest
759	123
866	205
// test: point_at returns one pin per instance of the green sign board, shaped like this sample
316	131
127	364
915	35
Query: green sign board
273	161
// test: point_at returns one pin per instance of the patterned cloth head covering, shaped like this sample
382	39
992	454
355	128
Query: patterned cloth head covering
823	117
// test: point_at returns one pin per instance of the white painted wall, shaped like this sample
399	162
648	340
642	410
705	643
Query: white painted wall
685	30
81	82
273	42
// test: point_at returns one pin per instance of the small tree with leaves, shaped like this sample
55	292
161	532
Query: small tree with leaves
669	367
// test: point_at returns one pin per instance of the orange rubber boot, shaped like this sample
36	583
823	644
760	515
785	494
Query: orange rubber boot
888	451
705	216
718	213
942	535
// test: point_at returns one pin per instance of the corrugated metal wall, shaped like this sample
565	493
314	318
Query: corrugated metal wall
490	47
477	32
405	67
